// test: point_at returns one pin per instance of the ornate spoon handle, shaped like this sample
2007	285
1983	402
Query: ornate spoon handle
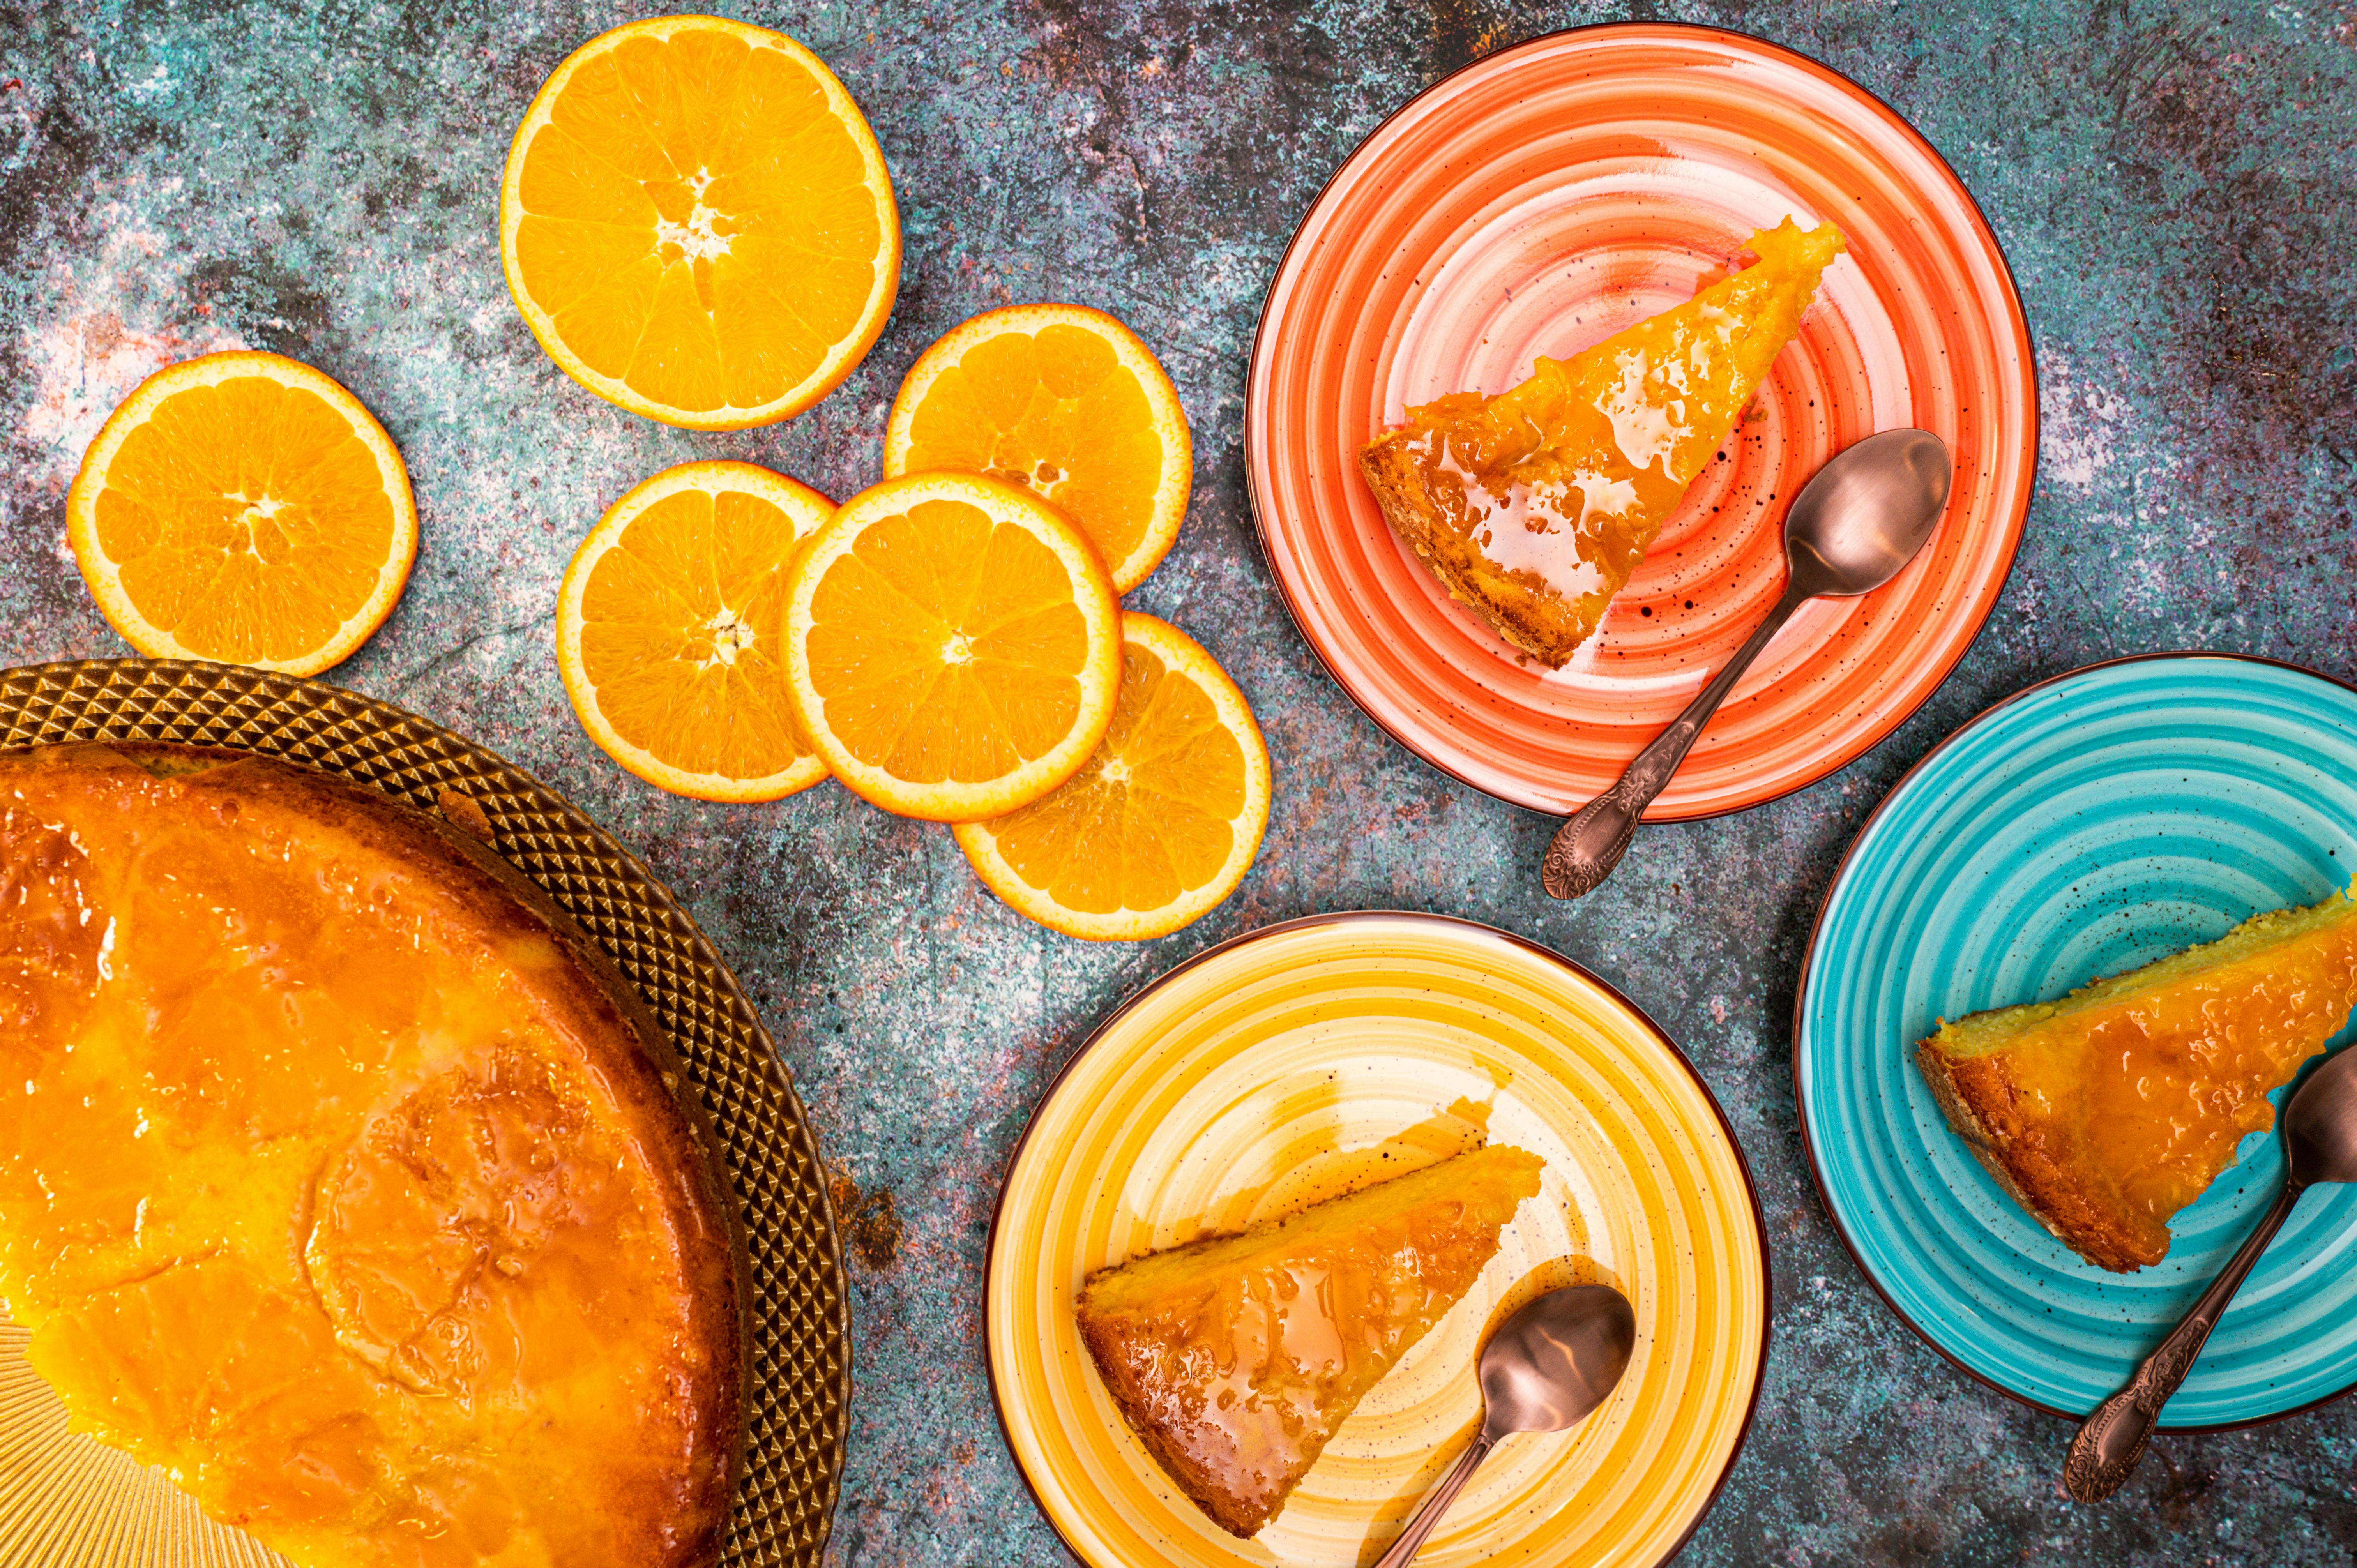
1588	847
1436	1503
2113	1437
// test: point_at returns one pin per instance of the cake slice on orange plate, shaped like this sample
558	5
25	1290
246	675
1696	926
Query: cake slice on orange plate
1533	507
2105	1112
1236	1357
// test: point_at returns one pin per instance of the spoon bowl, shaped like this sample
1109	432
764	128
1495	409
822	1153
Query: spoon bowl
2319	1125
1555	1359
1854	526
1545	1368
1862	518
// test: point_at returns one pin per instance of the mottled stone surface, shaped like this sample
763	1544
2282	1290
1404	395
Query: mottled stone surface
2173	184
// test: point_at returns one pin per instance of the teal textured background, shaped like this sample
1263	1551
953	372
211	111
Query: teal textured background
2171	181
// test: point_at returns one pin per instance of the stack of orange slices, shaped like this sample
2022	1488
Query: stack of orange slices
949	643
1163	819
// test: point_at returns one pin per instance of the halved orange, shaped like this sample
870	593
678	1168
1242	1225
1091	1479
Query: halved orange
1066	402
245	508
697	223
953	646
1164	820
671	631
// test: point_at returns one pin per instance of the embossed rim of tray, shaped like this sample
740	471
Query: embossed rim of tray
801	1335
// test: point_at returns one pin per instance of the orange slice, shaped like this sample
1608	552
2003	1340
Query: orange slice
671	631
244	509
697	224
953	646
1066	402
1162	822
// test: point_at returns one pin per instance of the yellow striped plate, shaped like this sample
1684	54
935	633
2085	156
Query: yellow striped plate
1280	1068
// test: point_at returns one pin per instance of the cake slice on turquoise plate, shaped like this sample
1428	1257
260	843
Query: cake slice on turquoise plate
2105	1112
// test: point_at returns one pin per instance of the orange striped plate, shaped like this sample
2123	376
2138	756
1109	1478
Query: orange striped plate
1244	1082
1540	200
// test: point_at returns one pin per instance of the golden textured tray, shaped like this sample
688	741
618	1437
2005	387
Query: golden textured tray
65	1500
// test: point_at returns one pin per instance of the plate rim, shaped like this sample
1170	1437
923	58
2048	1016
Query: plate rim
1138	995
273	691
2019	314
1808	973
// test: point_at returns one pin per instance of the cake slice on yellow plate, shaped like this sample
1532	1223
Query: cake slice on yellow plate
1533	507
2105	1112
1236	1357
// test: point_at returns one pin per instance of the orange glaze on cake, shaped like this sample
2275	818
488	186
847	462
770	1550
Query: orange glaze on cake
2108	1111
1533	507
334	1183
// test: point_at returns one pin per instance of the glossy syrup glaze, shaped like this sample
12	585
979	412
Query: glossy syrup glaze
315	1195
1563	482
2159	1087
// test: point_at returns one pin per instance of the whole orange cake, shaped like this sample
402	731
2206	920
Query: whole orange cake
338	1177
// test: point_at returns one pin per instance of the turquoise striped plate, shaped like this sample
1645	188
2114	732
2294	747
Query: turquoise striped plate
2082	827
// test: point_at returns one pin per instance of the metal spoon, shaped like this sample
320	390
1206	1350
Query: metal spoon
1849	531
2320	1138
1545	1367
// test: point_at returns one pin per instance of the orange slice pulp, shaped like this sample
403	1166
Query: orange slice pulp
244	509
671	631
953	646
697	223
1064	401
1164	820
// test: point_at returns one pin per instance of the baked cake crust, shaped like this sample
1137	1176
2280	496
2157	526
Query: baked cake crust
1517	607
1982	1108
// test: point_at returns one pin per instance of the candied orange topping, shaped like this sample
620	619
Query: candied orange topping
2109	1110
2165	1084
